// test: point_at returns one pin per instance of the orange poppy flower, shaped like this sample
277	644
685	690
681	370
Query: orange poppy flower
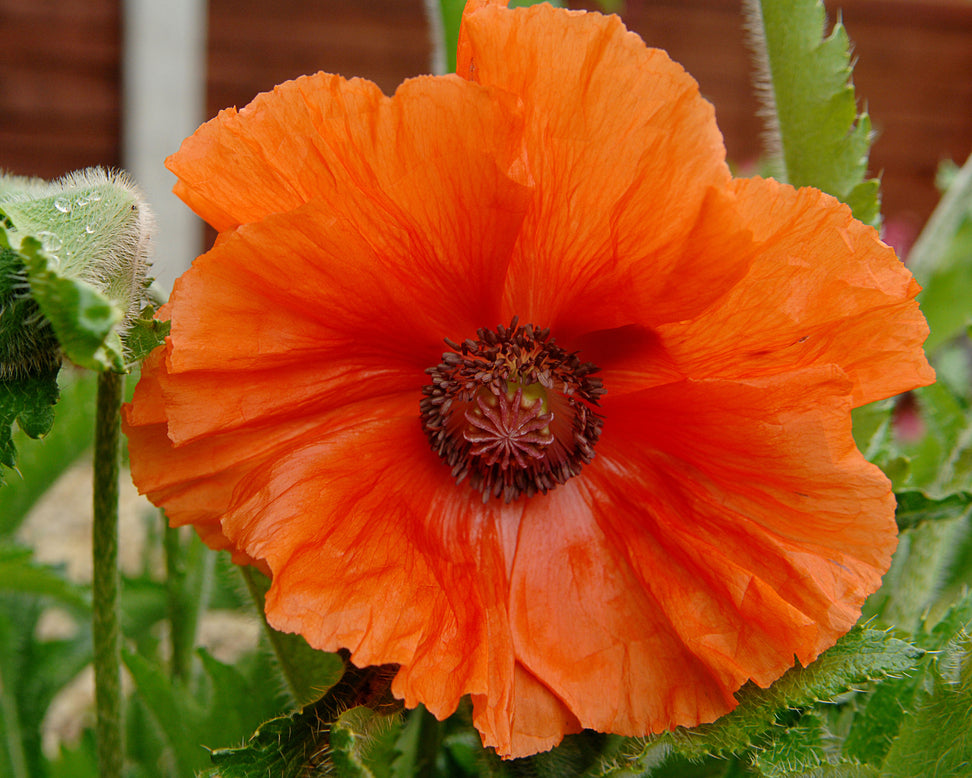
628	485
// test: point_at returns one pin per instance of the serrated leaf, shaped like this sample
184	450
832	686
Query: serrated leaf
916	507
298	745
861	655
225	708
808	99
19	573
29	402
41	463
363	743
875	727
798	749
935	739
145	335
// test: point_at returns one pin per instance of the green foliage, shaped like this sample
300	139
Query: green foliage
82	318
29	402
308	672
769	723
808	100
145	335
935	739
344	733
915	507
225	706
41	463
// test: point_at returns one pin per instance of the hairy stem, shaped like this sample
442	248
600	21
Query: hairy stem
290	674
107	651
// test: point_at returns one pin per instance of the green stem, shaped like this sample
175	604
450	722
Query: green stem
939	230
291	676
189	574
105	626
10	723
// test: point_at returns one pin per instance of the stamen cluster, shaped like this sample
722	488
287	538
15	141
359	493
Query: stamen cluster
512	412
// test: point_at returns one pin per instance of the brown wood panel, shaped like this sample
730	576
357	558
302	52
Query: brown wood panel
255	45
60	85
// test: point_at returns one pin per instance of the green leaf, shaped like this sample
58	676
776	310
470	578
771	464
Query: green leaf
935	739
299	745
916	507
861	655
42	462
73	258
93	224
82	318
805	85
28	402
945	297
942	460
19	573
32	672
844	770
927	255
145	335
226	708
306	670
798	749
363	743
876	726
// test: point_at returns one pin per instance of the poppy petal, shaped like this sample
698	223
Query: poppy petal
395	565
424	155
286	319
822	289
729	525
610	213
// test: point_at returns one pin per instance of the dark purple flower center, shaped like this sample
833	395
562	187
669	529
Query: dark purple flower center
512	412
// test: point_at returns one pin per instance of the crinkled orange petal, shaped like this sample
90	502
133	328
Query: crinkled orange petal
574	178
823	289
372	549
626	161
322	138
723	528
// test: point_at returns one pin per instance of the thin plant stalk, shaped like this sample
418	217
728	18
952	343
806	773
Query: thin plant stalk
105	626
290	673
189	574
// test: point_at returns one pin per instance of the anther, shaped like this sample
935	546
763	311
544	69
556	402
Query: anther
511	412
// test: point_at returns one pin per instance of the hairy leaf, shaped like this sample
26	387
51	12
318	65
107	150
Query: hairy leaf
936	740
808	100
41	463
798	749
861	655
299	745
29	402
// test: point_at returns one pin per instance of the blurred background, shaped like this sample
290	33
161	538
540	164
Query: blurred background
121	82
